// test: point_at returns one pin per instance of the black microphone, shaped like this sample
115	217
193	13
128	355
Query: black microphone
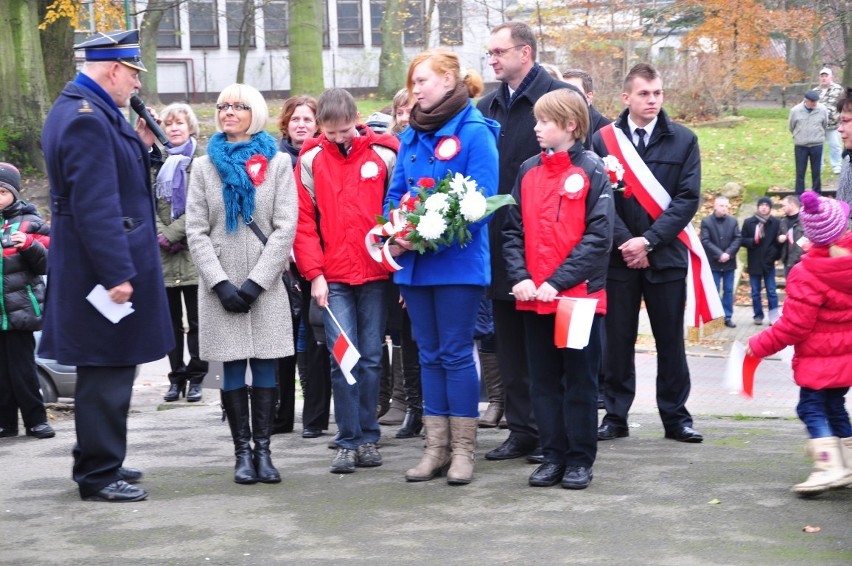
139	107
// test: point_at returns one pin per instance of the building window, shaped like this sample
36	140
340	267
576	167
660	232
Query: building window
168	34
349	30
450	16
377	13
235	14
275	24
203	24
414	22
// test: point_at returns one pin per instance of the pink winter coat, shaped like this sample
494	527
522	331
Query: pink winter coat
817	320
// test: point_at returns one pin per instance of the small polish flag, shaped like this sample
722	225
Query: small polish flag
344	352
574	318
739	373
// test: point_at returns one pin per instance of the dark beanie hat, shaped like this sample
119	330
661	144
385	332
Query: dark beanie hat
764	200
10	179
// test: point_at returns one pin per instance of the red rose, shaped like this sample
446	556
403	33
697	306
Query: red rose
411	204
613	178
628	192
426	182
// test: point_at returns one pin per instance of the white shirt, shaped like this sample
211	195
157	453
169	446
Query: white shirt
648	130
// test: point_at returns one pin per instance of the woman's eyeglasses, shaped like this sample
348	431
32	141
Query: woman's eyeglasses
227	105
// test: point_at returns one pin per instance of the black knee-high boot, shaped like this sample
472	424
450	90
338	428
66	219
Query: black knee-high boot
262	414
236	407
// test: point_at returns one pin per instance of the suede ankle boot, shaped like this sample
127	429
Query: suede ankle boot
436	456
463	433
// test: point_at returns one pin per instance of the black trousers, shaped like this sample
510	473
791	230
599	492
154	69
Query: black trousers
512	358
189	294
317	384
19	387
410	365
101	402
564	392
665	303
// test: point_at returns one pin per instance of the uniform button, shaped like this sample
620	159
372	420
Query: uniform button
413	158
431	160
410	181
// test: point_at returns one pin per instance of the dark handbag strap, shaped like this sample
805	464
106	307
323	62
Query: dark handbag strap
257	231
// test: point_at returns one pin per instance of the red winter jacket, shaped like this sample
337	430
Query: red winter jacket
558	237
817	320
349	192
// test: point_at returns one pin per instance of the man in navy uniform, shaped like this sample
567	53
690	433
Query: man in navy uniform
103	233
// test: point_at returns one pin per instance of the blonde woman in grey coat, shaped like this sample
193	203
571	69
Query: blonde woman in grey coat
243	306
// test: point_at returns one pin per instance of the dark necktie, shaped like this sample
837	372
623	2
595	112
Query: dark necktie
640	145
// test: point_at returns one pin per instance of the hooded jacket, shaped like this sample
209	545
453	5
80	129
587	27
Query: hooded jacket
817	320
551	236
21	269
339	199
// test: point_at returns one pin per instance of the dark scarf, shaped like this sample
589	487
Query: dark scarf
285	146
171	179
521	87
430	120
230	161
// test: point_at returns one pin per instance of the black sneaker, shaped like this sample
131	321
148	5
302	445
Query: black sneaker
368	456
730	323
758	320
42	430
344	461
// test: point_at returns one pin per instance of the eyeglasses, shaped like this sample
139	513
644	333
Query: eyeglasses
237	106
496	52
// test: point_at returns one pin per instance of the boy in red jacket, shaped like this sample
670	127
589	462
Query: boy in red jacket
817	322
556	243
342	177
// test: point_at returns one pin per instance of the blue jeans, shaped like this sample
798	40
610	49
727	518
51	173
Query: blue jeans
262	373
443	321
805	154
726	279
824	412
767	279
361	310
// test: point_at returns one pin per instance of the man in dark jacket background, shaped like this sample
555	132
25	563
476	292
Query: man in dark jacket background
103	233
760	237
512	53
649	262
583	80
720	236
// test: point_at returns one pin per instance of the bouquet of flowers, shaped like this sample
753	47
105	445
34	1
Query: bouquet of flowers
438	214
615	171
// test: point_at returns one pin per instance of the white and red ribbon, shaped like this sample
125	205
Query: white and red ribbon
702	298
379	251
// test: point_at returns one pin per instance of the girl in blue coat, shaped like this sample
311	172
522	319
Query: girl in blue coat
442	289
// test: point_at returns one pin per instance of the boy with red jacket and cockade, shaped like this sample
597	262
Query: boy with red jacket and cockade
342	177
817	322
24	236
556	243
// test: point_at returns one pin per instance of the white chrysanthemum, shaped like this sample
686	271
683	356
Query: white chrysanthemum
472	206
431	225
438	202
459	184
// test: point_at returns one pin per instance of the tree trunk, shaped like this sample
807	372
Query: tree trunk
392	65
148	39
57	45
246	25
306	76
23	85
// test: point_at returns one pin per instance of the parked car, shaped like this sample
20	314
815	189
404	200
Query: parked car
55	380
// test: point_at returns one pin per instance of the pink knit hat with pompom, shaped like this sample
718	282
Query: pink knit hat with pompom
824	220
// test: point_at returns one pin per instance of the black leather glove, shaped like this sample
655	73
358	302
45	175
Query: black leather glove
250	291
230	297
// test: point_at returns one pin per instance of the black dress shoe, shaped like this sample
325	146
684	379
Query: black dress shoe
311	433
536	456
8	432
511	448
577	477
609	431
730	323
130	475
685	434
42	430
547	474
119	492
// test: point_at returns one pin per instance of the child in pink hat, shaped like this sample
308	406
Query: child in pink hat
817	322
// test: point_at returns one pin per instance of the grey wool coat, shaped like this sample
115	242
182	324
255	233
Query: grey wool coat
266	331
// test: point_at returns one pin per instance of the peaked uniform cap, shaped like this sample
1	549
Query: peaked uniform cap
121	46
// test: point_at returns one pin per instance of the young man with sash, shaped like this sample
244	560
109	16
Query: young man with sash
656	255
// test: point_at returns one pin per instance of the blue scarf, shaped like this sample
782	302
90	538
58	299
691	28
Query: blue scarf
230	161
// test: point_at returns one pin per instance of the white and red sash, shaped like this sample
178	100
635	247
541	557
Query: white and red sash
702	298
